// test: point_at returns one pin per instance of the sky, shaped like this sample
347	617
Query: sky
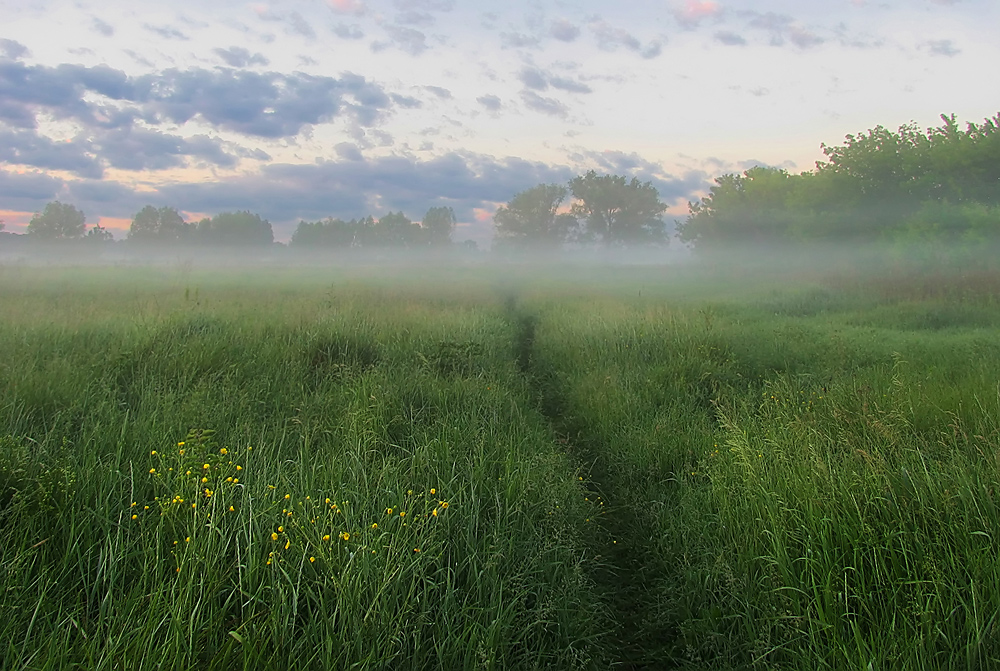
305	109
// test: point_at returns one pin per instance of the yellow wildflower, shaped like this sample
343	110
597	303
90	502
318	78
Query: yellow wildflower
344	536
274	536
433	491
326	537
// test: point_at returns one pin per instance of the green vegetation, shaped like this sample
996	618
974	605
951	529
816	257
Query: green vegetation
904	188
635	470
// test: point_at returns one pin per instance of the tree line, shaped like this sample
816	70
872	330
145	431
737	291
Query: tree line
940	185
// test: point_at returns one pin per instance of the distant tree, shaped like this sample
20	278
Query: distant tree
757	206
98	235
58	221
438	224
532	218
235	229
158	225
618	211
327	234
393	230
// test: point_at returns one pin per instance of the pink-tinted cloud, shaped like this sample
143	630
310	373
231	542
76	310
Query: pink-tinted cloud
693	11
347	6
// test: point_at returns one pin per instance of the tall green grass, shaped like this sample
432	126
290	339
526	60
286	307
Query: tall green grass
260	477
810	476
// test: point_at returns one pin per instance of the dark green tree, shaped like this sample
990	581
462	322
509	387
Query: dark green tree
618	211
158	225
327	234
532	219
58	221
235	229
438	224
393	230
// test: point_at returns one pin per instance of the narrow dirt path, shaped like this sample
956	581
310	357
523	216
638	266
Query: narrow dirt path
625	575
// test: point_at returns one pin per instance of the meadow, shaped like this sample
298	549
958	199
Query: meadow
498	468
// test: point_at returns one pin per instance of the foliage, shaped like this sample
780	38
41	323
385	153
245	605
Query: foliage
163	225
879	187
236	229
58	221
98	235
532	218
618	211
438	224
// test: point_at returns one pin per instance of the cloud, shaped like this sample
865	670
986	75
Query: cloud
267	104
348	151
405	101
300	25
426	5
490	102
533	79
415	18
12	49
729	38
610	38
166	32
238	57
442	93
564	30
693	12
294	22
941	47
351	32
782	28
28	191
518	41
539	80
138	148
803	38
102	27
410	40
26	147
356	7
544	105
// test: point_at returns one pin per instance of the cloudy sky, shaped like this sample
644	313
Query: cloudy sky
314	108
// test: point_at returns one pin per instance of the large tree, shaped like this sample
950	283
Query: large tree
161	225
235	229
532	218
619	211
438	224
58	221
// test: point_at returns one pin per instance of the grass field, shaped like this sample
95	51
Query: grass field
498	468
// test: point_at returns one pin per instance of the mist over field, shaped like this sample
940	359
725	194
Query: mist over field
414	334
